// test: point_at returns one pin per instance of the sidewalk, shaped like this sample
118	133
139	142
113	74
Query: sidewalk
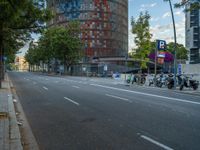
10	138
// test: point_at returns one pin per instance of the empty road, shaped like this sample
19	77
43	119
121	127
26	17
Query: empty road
74	113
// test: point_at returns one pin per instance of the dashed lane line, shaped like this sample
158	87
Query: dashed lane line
117	97
156	142
77	87
72	101
45	88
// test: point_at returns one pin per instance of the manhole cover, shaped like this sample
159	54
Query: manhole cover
3	115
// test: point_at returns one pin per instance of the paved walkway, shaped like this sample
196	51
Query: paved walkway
10	138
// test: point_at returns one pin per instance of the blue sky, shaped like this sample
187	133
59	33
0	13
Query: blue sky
161	22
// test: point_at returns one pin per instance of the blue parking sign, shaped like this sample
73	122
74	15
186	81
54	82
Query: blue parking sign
161	44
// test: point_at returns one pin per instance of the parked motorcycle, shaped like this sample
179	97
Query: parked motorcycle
170	81
159	81
189	83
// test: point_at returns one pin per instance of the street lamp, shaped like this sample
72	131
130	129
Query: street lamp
175	41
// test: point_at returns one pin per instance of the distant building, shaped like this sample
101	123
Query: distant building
21	64
193	33
104	25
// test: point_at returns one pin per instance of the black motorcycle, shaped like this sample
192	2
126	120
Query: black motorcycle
170	81
189	83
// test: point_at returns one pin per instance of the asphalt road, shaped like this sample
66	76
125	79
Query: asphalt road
75	113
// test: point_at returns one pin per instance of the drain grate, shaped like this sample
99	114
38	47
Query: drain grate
3	115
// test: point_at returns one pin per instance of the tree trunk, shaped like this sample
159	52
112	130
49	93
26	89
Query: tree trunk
42	66
64	65
48	66
1	61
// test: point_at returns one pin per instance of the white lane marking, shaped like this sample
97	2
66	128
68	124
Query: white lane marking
34	83
146	94
156	142
45	88
121	98
76	87
27	79
46	79
72	101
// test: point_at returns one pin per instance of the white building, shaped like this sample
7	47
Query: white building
193	33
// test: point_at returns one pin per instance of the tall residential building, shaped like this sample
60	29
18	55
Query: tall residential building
104	24
193	33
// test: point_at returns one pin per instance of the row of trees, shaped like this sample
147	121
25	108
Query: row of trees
18	19
59	44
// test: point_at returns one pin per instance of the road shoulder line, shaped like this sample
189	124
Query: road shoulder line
147	94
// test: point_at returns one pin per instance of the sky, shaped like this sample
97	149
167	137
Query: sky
161	21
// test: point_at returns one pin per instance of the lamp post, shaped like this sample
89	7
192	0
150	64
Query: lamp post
175	41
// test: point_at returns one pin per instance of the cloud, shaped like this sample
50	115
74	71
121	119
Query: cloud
179	13
148	5
144	7
167	14
131	41
165	32
154	19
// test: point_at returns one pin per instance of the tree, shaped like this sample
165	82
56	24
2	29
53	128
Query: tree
67	43
18	19
58	43
194	4
141	29
181	51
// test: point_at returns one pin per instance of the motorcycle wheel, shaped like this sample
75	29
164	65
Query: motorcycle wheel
169	86
195	87
181	87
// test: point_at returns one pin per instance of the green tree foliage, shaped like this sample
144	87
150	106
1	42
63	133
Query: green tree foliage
18	19
67	44
181	51
59	43
194	4
141	30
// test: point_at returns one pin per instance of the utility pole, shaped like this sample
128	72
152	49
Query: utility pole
1	61
155	67
1	66
175	41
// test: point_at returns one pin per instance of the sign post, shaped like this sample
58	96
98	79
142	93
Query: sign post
160	46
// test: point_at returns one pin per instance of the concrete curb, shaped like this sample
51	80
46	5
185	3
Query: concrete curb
14	135
27	138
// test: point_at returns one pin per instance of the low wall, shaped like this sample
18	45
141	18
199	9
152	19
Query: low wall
192	69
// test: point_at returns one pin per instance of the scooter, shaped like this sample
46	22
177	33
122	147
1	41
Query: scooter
189	83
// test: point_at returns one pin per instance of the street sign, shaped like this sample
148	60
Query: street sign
161	45
161	55
105	68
